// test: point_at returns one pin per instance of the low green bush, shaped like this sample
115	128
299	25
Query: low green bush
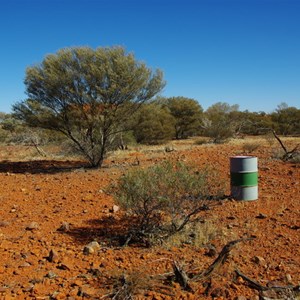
163	199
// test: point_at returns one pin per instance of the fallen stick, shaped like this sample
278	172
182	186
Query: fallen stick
219	261
279	292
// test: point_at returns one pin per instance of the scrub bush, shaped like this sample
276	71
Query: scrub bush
163	199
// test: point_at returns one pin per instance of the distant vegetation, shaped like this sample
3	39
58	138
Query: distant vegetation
95	101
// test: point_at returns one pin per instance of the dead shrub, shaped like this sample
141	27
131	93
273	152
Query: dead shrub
127	285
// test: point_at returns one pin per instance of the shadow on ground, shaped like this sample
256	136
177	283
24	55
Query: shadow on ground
41	166
108	230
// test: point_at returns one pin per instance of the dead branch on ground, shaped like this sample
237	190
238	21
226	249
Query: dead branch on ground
272	292
219	261
184	279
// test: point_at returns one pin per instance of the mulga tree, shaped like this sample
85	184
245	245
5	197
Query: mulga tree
286	120
153	124
187	114
220	122
256	123
88	95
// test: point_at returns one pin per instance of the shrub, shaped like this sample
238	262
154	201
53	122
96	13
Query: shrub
164	198
154	125
127	285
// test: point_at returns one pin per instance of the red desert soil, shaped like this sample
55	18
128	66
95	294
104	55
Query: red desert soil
38	197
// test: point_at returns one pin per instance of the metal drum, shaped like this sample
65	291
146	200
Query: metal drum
244	177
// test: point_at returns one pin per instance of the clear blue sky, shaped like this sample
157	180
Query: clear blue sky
244	52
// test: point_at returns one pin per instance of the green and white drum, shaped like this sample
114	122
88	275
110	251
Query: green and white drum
244	177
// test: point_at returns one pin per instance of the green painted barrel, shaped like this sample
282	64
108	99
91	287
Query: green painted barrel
244	177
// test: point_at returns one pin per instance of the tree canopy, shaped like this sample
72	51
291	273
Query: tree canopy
88	95
153	124
187	114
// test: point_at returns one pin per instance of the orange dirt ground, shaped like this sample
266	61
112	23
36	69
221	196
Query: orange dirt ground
37	197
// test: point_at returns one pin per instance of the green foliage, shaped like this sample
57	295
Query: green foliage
187	114
153	125
165	198
220	122
3	133
14	131
287	120
87	95
256	123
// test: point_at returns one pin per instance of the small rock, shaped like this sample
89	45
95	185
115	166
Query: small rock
88	250
32	226
73	293
27	287
61	296
295	227
77	282
66	263
91	248
95	272
288	278
25	265
87	291
114	209
88	197
259	260
261	216
211	251
53	256
220	293
65	227
63	266
51	275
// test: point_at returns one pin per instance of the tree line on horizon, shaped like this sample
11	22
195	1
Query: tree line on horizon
104	99
164	119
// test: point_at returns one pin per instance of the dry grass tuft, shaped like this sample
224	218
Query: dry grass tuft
197	234
250	147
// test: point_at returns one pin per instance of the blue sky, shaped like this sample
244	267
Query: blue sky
244	52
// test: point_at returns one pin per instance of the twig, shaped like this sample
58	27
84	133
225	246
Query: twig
251	282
